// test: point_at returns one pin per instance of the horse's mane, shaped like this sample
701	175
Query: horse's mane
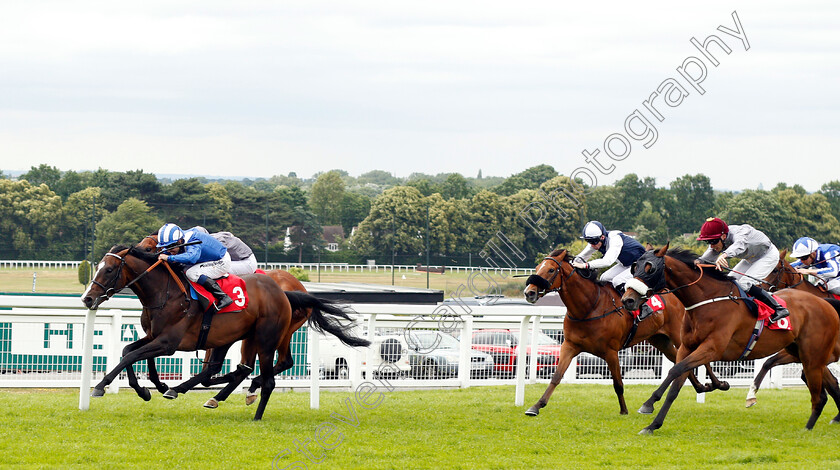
688	257
118	248
585	273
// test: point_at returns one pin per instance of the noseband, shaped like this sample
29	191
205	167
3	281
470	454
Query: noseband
544	285
109	290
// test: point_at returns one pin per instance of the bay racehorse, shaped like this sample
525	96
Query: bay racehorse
785	276
174	319
596	322
718	325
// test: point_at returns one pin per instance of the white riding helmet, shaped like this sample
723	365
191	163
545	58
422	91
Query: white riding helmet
593	230
168	235
804	247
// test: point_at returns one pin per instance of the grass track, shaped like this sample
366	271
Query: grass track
461	429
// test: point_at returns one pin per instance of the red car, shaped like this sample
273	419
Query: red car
503	345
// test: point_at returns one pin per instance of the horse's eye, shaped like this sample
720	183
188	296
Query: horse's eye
550	270
108	270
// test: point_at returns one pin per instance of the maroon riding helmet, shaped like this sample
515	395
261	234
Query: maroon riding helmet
712	229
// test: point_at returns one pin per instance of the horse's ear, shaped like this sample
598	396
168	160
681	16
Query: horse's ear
648	247
661	252
783	254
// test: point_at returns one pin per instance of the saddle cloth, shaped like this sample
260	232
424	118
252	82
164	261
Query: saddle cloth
233	286
655	304
764	312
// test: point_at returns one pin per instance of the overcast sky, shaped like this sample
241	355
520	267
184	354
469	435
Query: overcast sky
262	88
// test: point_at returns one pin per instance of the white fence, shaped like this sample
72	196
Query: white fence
41	345
324	267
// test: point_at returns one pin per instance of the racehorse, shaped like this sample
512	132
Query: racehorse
718	325
785	276
597	323
174	319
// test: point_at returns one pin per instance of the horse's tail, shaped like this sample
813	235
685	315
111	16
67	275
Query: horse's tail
326	317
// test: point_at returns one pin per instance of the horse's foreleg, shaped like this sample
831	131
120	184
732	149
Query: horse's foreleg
676	386
665	345
151	349
567	352
615	369
778	359
142	392
682	366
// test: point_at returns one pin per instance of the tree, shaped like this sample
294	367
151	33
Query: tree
354	208
80	214
810	215
326	196
603	203
694	201
397	219
305	233
831	191
129	224
424	185
455	187
43	174
378	177
69	183
30	218
763	211
531	178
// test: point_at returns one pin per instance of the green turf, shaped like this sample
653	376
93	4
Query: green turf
467	428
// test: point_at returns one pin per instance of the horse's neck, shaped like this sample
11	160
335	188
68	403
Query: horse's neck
681	276
580	295
157	288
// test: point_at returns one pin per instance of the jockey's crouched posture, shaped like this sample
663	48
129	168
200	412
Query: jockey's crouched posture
203	262
822	260
758	257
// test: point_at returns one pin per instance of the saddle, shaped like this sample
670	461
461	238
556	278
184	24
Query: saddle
763	311
233	286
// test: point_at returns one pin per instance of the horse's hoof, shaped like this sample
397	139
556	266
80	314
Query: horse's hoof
751	402
532	411
97	392
250	398
163	389
646	432
724	386
646	409
170	394
145	394
211	403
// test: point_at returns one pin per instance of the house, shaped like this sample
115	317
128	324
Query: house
332	235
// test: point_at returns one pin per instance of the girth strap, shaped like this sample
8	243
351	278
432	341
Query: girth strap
759	327
204	332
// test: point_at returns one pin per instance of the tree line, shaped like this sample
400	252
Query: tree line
47	213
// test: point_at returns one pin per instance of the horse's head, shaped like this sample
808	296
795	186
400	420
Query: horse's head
548	275
115	271
783	275
648	276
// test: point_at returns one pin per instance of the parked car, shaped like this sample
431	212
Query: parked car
436	355
503	346
391	357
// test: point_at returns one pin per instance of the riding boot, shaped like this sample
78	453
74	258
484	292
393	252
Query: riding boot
222	299
764	296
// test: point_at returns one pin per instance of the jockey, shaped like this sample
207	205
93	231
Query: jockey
821	260
204	262
242	258
758	257
615	247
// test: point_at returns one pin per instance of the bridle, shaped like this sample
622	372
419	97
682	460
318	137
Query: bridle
110	290
780	270
545	287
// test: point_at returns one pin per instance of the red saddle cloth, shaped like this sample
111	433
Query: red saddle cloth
233	286
764	312
836	297
655	303
260	271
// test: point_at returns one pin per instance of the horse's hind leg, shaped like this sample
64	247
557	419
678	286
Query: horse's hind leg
833	389
777	359
213	367
567	352
282	365
814	379
267	375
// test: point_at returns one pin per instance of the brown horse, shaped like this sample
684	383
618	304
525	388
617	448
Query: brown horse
174	320
785	276
719	326
597	323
